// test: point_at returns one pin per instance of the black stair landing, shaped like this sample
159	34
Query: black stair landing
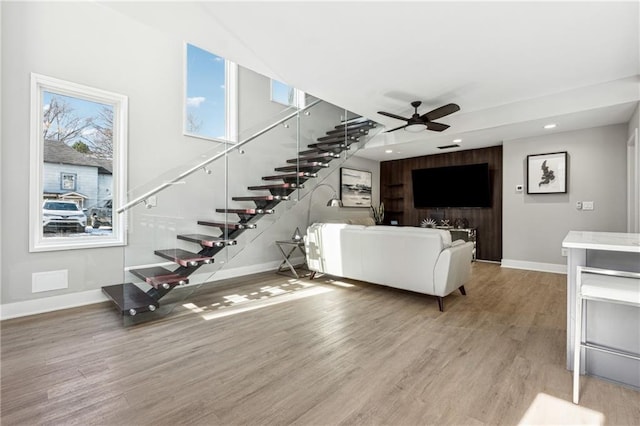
129	299
183	257
159	277
207	240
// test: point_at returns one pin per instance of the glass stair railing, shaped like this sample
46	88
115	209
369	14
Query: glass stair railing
191	222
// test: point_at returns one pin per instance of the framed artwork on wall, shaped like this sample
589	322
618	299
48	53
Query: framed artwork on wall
547	173
355	187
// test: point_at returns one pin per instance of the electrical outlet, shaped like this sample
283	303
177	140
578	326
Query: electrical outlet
564	252
587	205
578	205
519	188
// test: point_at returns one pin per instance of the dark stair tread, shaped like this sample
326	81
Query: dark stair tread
245	211
227	225
329	145
347	131
157	276
207	240
335	150
130	299
325	156
262	198
183	257
275	186
358	124
313	165
338	138
290	176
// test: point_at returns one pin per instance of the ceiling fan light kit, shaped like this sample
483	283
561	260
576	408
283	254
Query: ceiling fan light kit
415	128
417	123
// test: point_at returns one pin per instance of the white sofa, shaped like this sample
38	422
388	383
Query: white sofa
423	260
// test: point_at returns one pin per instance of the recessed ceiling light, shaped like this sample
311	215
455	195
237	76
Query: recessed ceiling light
550	126
388	151
457	140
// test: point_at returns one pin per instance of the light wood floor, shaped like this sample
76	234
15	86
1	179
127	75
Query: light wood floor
312	353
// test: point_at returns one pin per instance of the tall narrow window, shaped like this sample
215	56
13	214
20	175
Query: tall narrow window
211	96
78	165
287	95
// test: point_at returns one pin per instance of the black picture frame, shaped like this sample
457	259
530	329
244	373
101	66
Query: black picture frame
547	173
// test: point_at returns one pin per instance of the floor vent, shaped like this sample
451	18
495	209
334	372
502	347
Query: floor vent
455	145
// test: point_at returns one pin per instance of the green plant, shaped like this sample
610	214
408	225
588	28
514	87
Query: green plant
378	213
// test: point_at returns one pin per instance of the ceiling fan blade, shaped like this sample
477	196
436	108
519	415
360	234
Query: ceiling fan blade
397	128
388	114
440	112
436	127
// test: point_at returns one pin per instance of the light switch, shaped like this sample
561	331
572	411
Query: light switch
587	205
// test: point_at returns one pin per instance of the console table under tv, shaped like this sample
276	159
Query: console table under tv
466	234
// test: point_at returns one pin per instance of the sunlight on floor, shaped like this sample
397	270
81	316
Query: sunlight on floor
548	410
232	304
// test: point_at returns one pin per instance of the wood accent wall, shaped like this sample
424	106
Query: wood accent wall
397	194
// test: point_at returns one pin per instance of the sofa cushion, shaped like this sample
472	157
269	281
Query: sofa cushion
445	235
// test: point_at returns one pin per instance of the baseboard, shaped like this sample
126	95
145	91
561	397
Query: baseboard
534	266
52	303
89	297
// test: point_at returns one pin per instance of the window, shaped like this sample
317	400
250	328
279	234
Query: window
68	181
287	95
78	159
210	96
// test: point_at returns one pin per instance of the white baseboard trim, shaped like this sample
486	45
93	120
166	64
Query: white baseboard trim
52	303
534	266
89	297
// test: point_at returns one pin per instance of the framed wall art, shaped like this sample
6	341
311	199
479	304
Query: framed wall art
547	173
355	187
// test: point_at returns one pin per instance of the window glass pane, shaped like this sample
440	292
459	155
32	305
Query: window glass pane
205	94
286	95
78	139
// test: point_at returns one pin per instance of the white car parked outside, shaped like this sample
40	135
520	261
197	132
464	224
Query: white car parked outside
62	215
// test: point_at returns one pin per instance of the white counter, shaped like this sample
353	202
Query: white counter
607	324
610	241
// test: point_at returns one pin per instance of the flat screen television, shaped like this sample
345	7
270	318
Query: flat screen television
453	186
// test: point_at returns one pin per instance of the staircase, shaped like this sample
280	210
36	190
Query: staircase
131	300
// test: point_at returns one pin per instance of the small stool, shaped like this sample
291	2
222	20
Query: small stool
603	285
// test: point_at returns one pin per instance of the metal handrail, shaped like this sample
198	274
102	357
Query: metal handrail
199	166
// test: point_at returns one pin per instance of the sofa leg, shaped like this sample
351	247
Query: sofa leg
462	290
313	275
440	303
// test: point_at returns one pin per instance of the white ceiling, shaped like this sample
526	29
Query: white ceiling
511	66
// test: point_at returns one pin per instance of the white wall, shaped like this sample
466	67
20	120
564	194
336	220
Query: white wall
94	45
535	225
633	172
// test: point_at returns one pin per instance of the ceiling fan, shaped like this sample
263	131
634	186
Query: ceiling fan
418	123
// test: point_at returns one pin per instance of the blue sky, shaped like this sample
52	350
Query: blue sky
206	91
81	108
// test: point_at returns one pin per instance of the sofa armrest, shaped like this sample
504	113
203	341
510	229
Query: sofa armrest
453	268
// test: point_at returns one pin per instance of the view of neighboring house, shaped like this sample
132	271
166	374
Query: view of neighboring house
73	176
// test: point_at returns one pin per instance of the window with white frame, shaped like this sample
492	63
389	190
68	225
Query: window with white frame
287	95
78	151
210	110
